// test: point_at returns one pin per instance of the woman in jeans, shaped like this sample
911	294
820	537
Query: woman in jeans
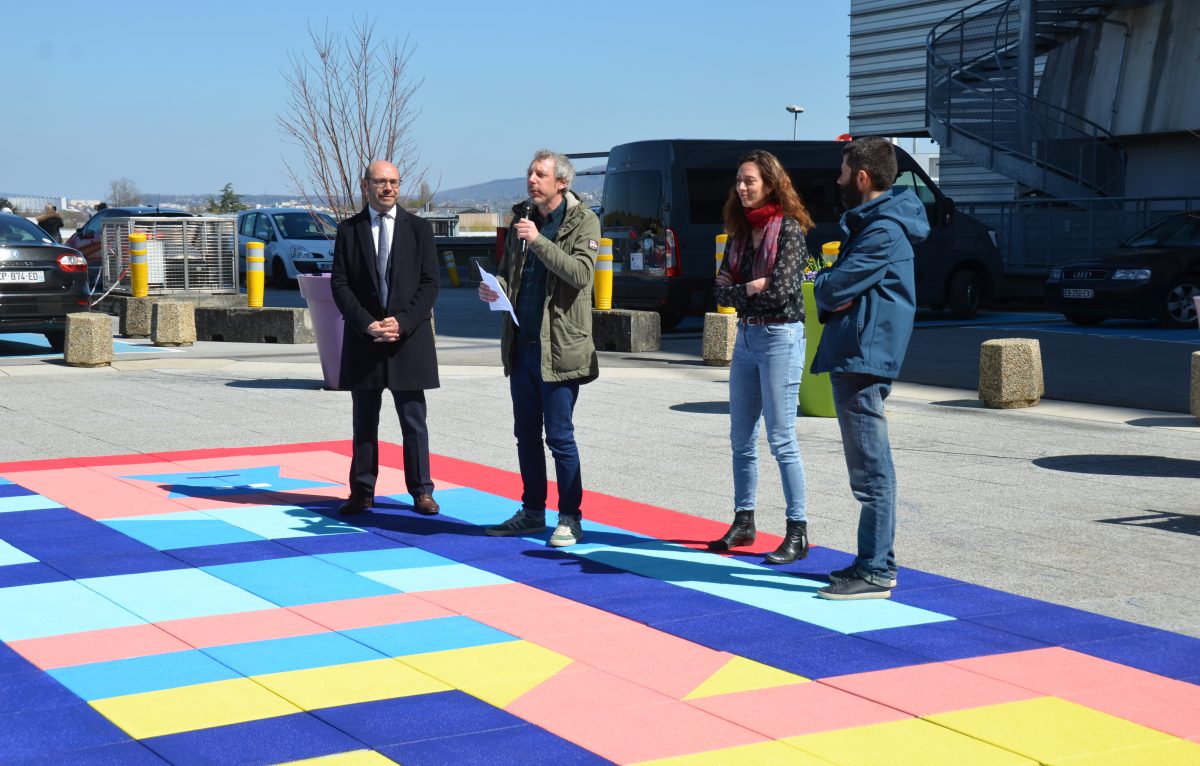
760	275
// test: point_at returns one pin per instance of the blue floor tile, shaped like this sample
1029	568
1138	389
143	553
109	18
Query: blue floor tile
31	689
135	675
298	580
269	741
525	745
186	529
41	733
129	753
280	655
1059	625
424	716
8	489
9	521
825	656
73	538
339	543
963	600
136	562
738	632
29	574
434	635
234	553
955	640
1158	651
405	557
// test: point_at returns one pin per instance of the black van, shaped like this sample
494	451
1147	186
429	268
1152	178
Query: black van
662	209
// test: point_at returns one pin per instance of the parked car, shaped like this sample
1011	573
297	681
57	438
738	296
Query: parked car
1154	274
41	281
86	238
296	241
662	209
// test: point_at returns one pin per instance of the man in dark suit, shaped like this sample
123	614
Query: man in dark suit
385	281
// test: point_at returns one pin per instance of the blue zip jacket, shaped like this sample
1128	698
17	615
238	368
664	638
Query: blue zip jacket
875	271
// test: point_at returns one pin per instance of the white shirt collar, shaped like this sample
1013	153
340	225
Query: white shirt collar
375	214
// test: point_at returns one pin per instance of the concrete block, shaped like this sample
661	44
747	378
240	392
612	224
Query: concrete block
133	316
628	331
1010	373
1195	401
89	340
720	333
246	325
173	323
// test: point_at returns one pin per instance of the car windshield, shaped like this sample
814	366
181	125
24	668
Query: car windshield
20	230
305	225
1176	231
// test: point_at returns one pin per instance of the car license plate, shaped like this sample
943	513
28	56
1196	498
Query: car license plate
324	266
22	276
1069	292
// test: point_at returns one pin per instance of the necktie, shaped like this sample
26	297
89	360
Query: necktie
381	257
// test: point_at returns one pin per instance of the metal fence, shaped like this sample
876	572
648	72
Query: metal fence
185	255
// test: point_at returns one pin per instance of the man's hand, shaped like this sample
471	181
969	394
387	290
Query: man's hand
527	230
487	294
385	330
845	306
756	286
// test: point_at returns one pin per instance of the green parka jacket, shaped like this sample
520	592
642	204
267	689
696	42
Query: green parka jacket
568	352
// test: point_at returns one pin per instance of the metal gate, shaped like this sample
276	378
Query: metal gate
185	255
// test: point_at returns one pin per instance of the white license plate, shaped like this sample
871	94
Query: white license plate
324	266
22	276
1069	292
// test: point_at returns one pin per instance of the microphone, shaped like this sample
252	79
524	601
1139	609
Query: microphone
524	242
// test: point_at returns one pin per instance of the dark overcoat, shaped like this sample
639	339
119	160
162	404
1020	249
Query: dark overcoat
409	364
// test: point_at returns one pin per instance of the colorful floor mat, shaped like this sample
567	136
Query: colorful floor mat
211	607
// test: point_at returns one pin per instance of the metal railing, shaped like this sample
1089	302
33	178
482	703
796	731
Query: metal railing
185	255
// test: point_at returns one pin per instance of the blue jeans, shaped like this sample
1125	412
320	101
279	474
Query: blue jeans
764	383
859	401
538	404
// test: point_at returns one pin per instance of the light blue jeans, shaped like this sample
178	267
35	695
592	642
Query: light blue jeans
859	401
764	384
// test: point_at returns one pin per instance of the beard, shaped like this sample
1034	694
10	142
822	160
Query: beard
851	197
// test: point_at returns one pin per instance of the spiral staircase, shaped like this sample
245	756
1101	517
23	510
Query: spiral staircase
980	102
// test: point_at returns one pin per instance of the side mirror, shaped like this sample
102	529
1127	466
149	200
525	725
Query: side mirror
947	211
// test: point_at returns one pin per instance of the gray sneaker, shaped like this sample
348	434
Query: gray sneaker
849	573
852	590
519	525
568	532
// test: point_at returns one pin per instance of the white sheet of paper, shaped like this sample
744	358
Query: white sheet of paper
502	303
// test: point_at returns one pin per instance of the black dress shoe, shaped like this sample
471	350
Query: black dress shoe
356	504
426	505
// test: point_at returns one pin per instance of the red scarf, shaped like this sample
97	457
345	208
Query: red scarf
769	218
759	216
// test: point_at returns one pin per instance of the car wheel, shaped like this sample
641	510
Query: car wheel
57	339
279	277
1178	309
964	294
1083	321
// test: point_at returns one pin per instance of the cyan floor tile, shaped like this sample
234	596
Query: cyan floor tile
378	560
269	741
10	554
226	483
419	579
294	653
282	521
299	580
53	608
186	529
53	732
135	675
15	503
954	640
423	716
435	635
525	745
476	507
176	595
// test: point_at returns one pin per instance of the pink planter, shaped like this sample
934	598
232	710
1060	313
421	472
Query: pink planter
327	324
1196	300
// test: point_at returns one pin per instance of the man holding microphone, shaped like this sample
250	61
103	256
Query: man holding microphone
546	271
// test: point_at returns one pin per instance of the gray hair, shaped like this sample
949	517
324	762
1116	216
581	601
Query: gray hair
563	169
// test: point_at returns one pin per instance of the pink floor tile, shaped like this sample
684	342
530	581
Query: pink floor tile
937	687
371	611
95	495
485	599
98	646
222	629
791	711
1153	701
538	623
1053	671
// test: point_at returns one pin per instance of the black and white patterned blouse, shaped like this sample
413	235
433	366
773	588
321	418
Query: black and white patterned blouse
782	298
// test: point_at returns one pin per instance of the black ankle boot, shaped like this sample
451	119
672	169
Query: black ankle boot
794	545
741	532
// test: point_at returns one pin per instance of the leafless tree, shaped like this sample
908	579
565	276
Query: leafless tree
349	102
123	192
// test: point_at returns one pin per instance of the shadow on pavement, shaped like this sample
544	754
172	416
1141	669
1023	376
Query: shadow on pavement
1167	522
279	384
1123	465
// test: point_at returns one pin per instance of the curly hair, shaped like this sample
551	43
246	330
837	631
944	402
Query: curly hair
779	191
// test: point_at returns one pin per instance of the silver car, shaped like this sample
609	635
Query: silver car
41	281
296	241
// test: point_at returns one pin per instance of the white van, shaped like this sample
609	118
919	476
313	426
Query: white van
296	241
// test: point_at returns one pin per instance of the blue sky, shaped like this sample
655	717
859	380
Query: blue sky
184	97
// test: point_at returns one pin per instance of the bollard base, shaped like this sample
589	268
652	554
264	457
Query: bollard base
626	331
720	334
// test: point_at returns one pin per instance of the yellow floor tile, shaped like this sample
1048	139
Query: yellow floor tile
773	753
1179	752
351	683
1049	729
355	758
187	708
911	742
495	673
743	675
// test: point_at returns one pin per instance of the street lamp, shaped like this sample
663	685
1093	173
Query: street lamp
795	110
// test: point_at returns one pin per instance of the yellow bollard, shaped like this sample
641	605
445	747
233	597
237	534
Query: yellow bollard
139	268
255	276
451	268
604	276
721	240
829	251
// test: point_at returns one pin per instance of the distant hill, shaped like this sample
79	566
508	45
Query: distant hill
505	192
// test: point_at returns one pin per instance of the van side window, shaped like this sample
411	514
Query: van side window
910	180
633	200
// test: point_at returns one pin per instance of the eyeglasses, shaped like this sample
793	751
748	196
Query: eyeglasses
380	183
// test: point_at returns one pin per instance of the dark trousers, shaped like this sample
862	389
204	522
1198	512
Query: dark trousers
538	404
364	465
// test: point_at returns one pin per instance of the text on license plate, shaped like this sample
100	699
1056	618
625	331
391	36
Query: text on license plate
1069	292
22	276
